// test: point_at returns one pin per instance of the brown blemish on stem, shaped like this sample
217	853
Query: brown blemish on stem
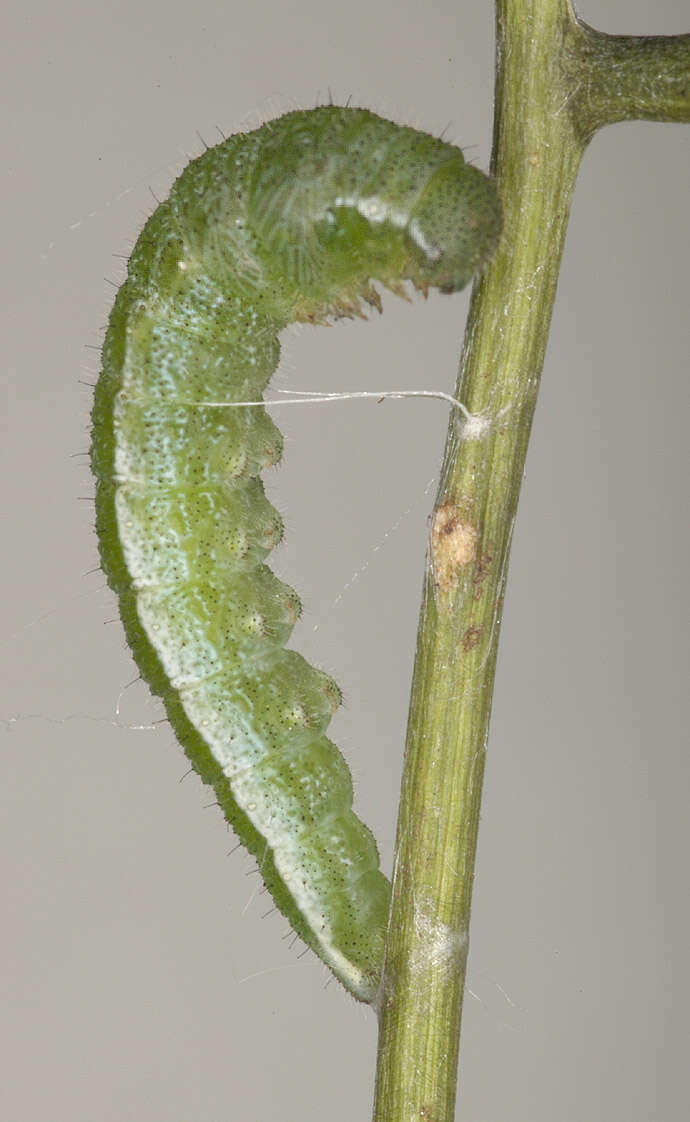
480	575
453	544
471	638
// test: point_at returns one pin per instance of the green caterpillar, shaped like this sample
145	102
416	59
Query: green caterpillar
290	222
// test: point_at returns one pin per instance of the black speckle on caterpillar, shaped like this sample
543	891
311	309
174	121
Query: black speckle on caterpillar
290	222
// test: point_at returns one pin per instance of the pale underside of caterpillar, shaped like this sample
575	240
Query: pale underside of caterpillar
291	222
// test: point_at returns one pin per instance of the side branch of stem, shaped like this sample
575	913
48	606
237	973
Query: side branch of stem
628	77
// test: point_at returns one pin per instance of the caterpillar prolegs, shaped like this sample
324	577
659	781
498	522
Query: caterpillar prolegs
290	222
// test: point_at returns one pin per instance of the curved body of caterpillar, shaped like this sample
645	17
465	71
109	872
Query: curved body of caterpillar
290	222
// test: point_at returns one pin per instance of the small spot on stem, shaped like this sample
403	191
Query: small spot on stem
453	544
471	638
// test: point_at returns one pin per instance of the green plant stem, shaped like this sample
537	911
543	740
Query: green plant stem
554	86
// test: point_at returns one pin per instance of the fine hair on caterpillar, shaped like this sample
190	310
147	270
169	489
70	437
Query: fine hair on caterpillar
291	222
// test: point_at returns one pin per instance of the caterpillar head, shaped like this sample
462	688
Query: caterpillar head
453	227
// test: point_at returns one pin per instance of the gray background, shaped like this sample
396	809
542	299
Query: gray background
139	981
